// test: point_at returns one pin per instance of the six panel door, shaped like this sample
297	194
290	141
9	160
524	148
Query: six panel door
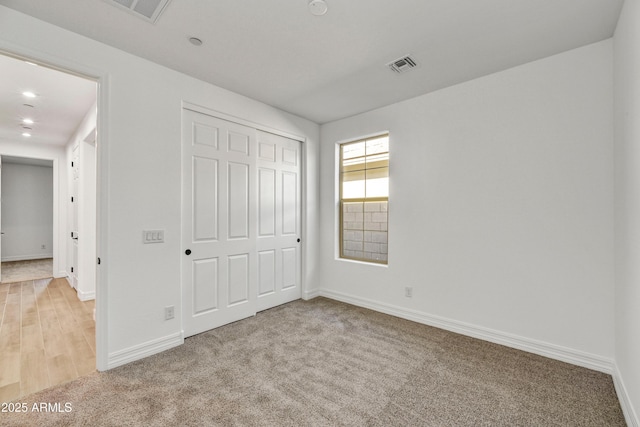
240	220
279	222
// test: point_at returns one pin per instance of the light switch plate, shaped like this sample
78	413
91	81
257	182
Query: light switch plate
153	236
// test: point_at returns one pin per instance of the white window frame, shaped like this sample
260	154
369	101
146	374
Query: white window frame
342	201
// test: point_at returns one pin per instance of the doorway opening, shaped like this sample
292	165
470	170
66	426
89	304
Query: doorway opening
48	122
26	219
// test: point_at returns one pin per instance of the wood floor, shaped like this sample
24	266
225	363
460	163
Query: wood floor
47	336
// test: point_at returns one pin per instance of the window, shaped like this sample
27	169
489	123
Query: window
364	199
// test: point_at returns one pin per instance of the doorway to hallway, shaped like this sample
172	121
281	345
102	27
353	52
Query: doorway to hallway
49	321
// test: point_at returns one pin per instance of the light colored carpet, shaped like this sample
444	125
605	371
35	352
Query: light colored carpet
325	363
21	271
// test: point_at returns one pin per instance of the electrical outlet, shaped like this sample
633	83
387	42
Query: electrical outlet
169	312
408	291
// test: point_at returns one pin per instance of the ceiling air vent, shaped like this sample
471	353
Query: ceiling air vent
402	65
149	10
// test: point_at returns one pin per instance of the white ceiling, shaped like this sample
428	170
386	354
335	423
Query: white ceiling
333	66
62	102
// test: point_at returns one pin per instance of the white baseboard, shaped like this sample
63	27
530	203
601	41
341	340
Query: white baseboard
575	357
26	257
630	415
143	350
86	296
82	296
307	295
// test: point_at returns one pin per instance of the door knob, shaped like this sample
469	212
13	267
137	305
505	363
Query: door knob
188	252
298	240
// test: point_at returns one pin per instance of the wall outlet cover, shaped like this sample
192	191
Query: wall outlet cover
169	312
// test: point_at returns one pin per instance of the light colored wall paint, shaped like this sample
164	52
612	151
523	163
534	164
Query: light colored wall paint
57	155
86	205
500	205
627	208
27	212
140	175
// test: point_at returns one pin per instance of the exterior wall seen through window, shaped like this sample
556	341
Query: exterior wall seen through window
364	199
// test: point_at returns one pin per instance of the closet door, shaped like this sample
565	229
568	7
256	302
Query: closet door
218	221
279	223
241	221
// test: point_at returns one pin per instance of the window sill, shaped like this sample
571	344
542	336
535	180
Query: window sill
354	261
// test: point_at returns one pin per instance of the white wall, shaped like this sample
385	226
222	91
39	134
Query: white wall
86	206
627	206
140	177
27	212
57	155
500	208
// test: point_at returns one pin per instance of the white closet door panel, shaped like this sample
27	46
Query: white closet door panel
267	151
238	280
266	272
205	135
205	199
205	285
290	203
239	142
289	268
238	200
290	156
266	202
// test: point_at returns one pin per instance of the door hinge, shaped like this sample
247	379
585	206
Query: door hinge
71	164
98	260
71	199
72	269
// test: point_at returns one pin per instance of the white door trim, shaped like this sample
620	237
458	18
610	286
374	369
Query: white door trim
102	79
239	120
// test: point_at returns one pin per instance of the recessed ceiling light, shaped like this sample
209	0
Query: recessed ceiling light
195	41
26	134
27	121
318	7
29	94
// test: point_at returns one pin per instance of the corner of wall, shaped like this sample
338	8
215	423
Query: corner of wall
626	64
630	415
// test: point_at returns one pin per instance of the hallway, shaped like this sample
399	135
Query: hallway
20	271
47	336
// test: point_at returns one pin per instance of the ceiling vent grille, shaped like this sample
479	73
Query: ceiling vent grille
149	10
402	65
